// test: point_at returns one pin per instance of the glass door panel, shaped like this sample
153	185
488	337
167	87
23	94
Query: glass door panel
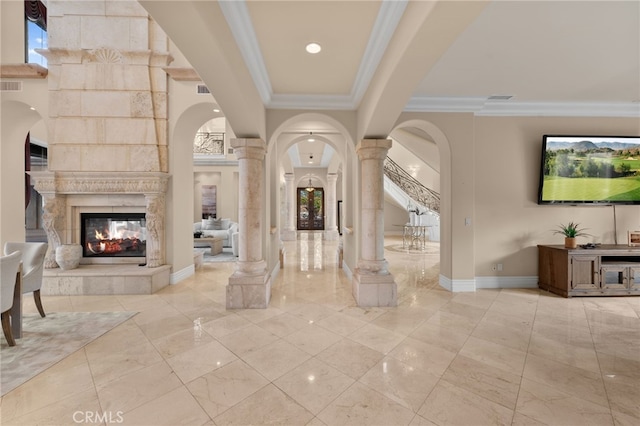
310	207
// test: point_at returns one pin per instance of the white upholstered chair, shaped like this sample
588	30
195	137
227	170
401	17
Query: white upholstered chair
32	267
8	270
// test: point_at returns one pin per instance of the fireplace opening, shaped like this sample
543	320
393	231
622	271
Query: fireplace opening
113	235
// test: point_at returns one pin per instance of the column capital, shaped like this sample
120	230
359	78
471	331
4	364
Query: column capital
373	149
332	177
252	149
288	177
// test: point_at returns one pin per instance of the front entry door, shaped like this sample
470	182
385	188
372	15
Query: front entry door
310	209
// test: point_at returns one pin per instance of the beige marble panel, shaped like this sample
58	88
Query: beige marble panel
173	408
160	105
71	77
549	405
125	8
66	30
492	383
141	105
511	360
450	404
351	358
361	405
137	388
247	339
106	104
139	33
276	359
267	406
84	130
64	7
313	339
400	382
93	28
64	157
130	131
193	363
283	324
433	359
314	384
67	103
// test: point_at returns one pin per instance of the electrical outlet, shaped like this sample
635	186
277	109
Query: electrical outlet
499	266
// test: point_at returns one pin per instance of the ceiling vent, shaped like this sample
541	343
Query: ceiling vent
499	97
202	89
10	86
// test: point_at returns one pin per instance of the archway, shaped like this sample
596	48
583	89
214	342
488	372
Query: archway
437	136
18	119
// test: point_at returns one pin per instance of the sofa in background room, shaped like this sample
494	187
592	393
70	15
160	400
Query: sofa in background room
221	228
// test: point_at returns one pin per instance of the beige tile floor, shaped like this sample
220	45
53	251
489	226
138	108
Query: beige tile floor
519	357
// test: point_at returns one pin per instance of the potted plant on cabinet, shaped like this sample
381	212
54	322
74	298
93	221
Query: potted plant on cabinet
570	231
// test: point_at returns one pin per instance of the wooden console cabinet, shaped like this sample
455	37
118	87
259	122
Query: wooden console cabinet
608	270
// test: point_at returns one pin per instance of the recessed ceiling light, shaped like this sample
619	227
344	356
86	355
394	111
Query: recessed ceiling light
311	138
313	48
216	110
32	108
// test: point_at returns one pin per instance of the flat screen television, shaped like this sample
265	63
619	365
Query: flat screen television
589	170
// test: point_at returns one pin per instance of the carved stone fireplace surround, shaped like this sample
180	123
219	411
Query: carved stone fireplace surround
67	194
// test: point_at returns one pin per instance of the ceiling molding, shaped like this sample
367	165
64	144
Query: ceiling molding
383	29
237	16
314	102
482	106
239	20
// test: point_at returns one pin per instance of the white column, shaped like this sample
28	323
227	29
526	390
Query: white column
249	286
373	285
330	208
289	232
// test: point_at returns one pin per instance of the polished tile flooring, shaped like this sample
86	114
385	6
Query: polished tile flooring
517	356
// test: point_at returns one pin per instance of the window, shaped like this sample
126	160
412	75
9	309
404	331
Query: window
35	13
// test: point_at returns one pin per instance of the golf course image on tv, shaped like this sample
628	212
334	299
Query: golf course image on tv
590	170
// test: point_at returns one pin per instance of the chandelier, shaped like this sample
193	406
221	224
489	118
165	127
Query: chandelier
310	188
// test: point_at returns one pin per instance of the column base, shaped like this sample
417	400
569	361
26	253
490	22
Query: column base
248	291
374	289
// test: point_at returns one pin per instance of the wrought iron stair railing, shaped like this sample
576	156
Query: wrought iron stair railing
414	189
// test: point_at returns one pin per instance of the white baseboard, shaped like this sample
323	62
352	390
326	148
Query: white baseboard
507	282
182	274
487	282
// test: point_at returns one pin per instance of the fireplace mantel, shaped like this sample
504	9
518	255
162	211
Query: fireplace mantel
59	189
46	182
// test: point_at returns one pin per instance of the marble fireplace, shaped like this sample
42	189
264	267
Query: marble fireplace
109	265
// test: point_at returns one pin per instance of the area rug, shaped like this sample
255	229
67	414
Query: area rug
46	341
429	248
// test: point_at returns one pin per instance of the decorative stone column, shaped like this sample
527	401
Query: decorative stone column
53	224
250	285
331	207
154	216
373	285
289	232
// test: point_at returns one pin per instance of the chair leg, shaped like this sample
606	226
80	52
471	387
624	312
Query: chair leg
6	328
36	298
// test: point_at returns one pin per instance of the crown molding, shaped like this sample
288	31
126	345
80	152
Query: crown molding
482	106
239	20
383	29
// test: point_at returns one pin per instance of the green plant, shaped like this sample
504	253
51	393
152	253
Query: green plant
571	230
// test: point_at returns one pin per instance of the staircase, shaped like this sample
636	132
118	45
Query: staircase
407	191
420	194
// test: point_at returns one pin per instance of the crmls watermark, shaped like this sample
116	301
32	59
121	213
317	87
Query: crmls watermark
97	417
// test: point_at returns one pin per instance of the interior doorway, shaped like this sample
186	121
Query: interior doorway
310	208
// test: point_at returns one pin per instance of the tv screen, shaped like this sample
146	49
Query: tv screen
590	170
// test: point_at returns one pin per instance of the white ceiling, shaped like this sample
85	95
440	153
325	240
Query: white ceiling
552	57
536	51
